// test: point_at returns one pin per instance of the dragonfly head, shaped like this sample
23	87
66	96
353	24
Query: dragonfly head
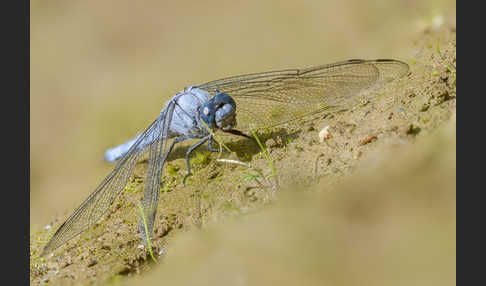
219	112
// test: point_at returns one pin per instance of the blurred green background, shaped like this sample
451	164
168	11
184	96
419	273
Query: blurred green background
101	71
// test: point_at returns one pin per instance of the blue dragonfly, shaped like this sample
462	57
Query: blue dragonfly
232	105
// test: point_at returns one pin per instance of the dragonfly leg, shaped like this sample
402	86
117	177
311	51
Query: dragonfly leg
188	153
177	140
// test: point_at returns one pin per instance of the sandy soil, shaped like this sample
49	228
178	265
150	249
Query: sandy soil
368	140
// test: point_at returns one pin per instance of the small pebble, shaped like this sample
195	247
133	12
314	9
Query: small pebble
324	134
47	227
367	140
140	246
162	251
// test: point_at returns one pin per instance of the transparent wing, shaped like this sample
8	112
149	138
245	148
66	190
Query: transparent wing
272	98
93	208
157	155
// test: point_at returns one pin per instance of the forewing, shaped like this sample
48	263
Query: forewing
272	98
157	155
93	208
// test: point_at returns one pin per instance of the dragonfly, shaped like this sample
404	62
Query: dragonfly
232	105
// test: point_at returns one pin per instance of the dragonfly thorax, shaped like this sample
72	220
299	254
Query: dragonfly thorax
219	112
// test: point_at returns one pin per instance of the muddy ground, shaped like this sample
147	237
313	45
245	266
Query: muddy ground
388	161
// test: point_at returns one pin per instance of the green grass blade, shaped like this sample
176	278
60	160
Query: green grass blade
265	153
147	234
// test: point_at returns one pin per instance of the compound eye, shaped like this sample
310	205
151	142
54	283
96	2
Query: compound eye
207	112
